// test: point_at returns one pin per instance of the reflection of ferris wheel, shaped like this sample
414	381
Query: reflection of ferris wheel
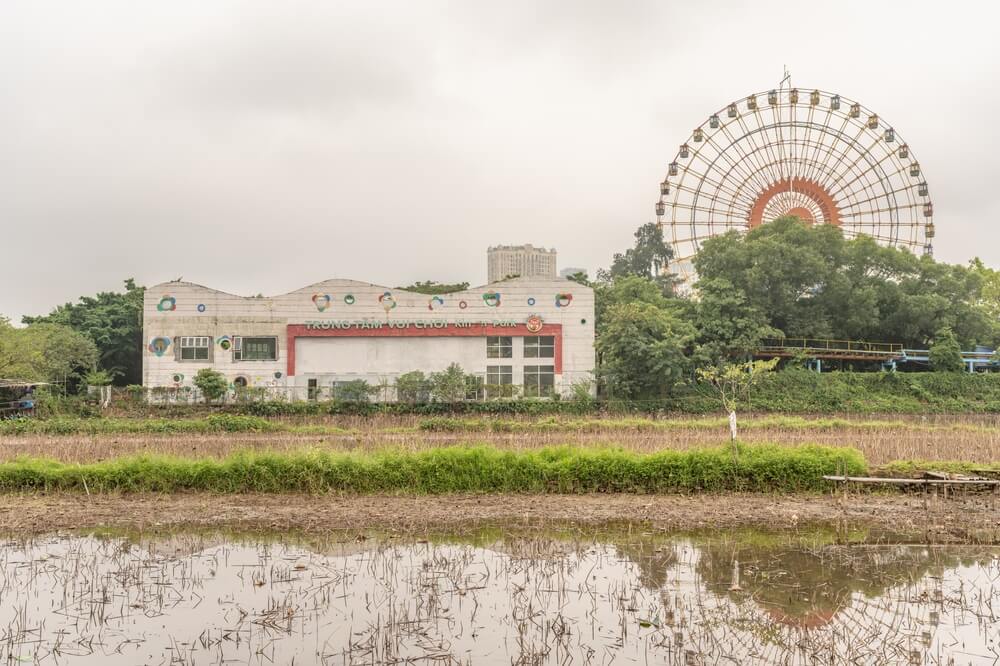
815	155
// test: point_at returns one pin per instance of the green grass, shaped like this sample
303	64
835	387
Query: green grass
911	467
551	424
760	468
232	423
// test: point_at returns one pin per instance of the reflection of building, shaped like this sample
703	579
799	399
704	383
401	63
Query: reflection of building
571	271
521	260
521	336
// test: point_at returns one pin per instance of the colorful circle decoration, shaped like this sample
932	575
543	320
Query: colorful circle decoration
434	300
167	304
387	301
492	299
178	378
159	345
225	342
277	375
563	300
321	301
462	305
201	307
534	324
349	299
531	300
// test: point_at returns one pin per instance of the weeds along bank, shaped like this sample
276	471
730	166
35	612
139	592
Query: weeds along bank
758	468
789	392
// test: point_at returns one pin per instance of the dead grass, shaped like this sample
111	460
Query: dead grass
974	439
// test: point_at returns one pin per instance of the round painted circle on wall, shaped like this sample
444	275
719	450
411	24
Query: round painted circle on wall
531	300
178	378
167	304
201	307
462	305
349	299
278	375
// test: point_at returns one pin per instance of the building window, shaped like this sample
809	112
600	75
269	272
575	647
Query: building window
499	375
499	381
499	346
255	349
539	346
194	348
539	380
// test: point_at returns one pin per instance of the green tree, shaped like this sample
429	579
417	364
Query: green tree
649	258
44	352
449	385
212	384
946	354
413	387
430	287
113	321
644	349
728	326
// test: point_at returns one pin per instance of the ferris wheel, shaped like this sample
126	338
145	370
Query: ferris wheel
813	154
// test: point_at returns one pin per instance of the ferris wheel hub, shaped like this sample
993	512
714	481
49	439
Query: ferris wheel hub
806	199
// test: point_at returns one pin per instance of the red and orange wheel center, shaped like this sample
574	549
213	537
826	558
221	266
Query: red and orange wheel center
811	189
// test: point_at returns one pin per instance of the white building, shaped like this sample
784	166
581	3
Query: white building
537	334
521	260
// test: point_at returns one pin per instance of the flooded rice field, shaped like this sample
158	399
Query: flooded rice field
496	596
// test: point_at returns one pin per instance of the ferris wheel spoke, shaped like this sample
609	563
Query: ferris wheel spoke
759	176
711	166
743	170
884	195
751	136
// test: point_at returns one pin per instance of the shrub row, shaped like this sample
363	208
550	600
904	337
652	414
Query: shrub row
63	425
762	468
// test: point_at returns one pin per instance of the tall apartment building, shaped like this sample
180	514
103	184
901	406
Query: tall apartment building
523	260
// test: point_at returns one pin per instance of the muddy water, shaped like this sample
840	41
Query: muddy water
496	597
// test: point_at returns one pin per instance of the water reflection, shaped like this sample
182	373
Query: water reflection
494	597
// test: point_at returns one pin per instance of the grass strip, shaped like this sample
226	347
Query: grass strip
759	468
231	423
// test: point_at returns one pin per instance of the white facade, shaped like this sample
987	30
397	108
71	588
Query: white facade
538	332
525	261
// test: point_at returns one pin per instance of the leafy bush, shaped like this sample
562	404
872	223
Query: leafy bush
211	383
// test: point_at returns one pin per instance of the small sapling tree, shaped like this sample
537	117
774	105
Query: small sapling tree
732	382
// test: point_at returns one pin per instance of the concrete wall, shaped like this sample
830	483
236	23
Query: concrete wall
176	309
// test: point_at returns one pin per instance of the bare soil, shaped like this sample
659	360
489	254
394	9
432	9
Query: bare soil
956	519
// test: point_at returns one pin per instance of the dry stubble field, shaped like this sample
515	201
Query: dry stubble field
969	438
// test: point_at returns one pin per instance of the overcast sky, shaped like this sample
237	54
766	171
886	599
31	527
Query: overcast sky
263	146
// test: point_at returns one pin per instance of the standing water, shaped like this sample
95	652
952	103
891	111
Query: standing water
496	597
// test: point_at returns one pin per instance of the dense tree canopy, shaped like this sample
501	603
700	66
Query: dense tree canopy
809	281
113	321
44	353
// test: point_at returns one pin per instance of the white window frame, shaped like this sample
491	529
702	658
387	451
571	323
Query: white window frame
499	373
194	342
537	347
238	348
504	343
534	389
